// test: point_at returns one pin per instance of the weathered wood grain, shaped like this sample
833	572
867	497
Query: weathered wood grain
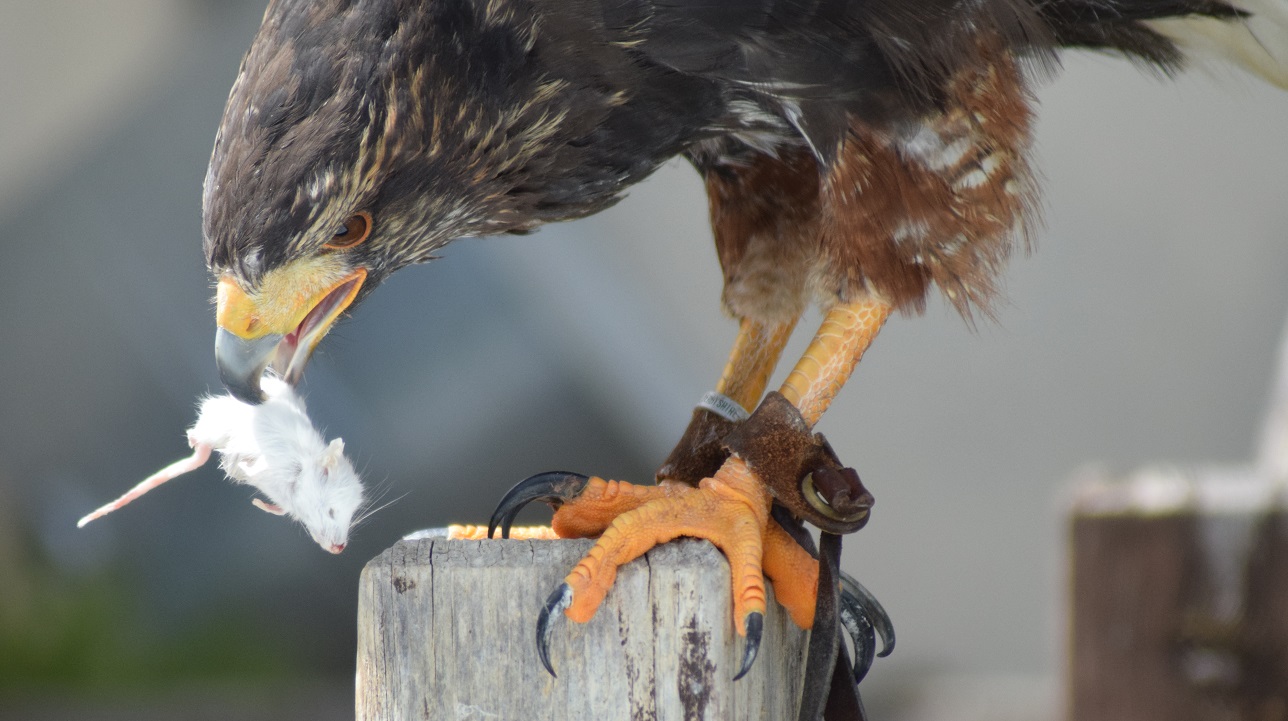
446	630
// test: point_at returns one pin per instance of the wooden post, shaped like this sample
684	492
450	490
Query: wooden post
446	630
1180	598
1180	588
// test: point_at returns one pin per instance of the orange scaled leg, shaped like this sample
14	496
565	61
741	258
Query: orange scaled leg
731	509
755	354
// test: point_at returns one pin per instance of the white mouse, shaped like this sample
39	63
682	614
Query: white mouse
275	448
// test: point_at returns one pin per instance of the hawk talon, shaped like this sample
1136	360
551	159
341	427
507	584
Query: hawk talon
855	596
862	635
557	602
553	487
864	618
754	629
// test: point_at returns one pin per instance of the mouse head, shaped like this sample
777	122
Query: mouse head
334	492
308	481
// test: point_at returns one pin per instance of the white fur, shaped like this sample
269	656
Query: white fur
274	448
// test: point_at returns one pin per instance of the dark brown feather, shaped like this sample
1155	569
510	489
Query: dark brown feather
843	141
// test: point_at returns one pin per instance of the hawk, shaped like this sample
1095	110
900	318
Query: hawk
855	153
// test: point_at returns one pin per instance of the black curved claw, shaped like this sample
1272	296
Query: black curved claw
859	627
558	601
755	627
553	487
854	595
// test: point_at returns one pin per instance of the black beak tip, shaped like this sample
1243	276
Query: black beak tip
246	391
241	363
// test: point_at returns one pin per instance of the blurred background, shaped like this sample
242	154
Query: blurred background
1143	328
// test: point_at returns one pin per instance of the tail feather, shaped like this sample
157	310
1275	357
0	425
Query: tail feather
1258	42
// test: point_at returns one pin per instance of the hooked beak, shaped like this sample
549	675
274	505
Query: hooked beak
278	327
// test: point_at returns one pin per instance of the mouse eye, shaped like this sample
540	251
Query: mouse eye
331	513
354	231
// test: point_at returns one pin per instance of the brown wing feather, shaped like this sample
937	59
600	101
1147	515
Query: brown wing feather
944	203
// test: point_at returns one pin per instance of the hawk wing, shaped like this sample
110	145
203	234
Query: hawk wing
815	62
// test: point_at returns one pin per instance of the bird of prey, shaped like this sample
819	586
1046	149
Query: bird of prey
856	154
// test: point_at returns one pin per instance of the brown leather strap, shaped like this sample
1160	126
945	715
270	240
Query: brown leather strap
700	452
800	468
843	701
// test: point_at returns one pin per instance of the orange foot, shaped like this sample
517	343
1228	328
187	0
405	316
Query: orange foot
730	509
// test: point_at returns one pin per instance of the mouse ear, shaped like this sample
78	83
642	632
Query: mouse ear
334	452
269	507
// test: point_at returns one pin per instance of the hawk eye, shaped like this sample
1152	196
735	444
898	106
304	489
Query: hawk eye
354	231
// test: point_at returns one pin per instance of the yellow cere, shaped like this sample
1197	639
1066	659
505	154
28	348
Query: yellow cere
283	298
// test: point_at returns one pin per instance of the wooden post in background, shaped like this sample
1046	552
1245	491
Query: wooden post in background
1180	588
1180	598
446	630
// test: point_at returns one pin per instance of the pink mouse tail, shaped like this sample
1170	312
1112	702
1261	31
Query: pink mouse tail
200	454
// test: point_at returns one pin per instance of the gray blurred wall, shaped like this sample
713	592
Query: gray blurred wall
1141	329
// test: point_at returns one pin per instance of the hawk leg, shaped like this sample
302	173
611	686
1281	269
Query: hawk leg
731	507
755	354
